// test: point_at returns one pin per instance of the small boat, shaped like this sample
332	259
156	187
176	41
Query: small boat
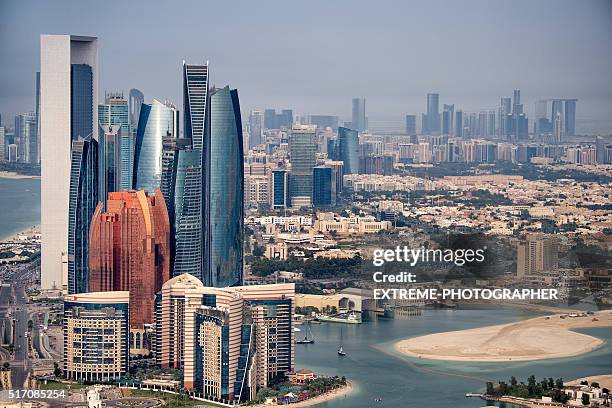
341	351
306	340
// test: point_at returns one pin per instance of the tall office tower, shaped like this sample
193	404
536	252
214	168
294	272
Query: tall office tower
130	250
411	125
2	143
448	115
136	99
26	131
188	197
459	123
570	117
323	187
115	111
358	121
505	109
433	113
517	106
491	124
348	150
482	124
541	123
110	160
557	124
270	119
157	121
68	108
224	191
256	124
96	331
280	189
302	152
83	198
537	253
37	113
286	118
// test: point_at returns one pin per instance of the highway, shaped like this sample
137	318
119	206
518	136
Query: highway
16	300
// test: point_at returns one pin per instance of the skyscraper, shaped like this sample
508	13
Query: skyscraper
68	109
256	124
115	111
189	191
359	115
459	123
411	125
447	119
157	120
130	250
224	191
348	150
432	118
110	160
26	131
302	151
136	99
570	117
37	112
83	199
323	187
280	188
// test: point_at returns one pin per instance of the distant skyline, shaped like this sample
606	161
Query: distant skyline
316	57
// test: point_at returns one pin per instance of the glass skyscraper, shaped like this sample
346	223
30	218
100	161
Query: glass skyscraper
83	200
224	191
157	121
323	187
280	188
184	173
348	150
302	151
359	115
115	111
110	154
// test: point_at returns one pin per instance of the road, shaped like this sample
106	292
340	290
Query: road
17	310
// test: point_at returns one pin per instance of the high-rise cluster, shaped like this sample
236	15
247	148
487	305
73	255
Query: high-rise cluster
128	202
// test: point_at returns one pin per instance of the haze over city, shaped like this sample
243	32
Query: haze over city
315	58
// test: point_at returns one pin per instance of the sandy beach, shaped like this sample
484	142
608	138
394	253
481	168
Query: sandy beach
337	393
533	339
16	176
34	229
605	381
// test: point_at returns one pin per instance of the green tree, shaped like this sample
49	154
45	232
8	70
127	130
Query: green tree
559	383
513	381
490	388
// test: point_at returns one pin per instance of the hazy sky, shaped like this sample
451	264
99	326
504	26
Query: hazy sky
314	56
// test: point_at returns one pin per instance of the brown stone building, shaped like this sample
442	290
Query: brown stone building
130	250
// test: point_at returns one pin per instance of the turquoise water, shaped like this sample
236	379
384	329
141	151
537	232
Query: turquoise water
19	205
377	371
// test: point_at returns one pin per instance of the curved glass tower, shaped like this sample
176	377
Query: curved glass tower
348	150
156	122
224	191
83	199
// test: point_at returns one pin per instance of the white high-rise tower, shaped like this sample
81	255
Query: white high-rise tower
69	110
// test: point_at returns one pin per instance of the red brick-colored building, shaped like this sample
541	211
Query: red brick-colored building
129	249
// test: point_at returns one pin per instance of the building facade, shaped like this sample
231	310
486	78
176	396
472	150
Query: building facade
224	191
157	121
83	198
68	109
96	327
130	250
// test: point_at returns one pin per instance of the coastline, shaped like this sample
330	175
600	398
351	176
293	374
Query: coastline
319	399
12	236
527	340
16	176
